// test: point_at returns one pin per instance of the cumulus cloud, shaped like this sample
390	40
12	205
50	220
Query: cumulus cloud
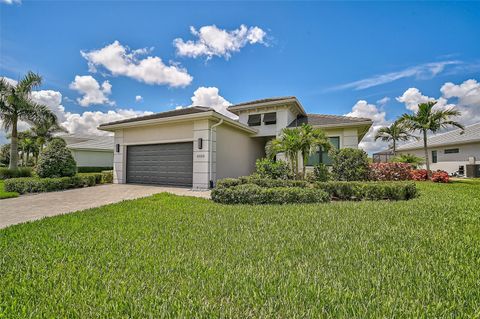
138	98
52	99
364	109
11	1
422	71
412	97
210	97
91	90
9	81
213	41
120	60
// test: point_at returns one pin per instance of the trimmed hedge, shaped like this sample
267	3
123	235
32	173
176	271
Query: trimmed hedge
254	194
93	169
262	182
369	190
107	177
96	176
6	173
40	185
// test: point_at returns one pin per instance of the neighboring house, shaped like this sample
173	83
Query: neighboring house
195	146
90	150
382	156
450	151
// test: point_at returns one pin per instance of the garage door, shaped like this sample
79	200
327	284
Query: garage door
162	164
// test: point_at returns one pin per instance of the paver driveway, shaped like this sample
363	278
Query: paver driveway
31	207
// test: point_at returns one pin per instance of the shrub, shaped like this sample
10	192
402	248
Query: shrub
56	160
321	173
97	177
419	175
369	190
350	164
266	168
254	194
93	169
107	177
390	172
440	177
413	160
38	185
262	182
6	173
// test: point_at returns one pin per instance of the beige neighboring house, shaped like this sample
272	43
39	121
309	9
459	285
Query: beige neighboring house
195	146
451	151
90	150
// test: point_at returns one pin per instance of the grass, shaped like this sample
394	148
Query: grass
4	194
169	256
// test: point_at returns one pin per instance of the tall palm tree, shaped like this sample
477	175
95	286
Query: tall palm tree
16	105
310	139
394	133
44	130
428	120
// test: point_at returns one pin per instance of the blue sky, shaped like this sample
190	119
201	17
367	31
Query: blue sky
329	55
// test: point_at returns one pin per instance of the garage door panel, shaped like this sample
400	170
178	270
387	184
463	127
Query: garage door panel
163	164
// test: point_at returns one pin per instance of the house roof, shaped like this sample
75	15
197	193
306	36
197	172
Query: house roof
329	120
470	135
272	101
182	111
98	143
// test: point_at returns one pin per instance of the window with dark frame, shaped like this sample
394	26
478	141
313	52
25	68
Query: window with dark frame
434	157
452	151
321	155
270	118
254	120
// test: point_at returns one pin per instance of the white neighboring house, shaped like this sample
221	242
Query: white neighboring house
450	151
90	150
195	146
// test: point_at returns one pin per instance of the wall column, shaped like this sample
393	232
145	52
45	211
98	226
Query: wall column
119	159
201	157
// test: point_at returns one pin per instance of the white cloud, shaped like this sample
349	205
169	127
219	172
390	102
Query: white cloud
11	1
9	81
213	41
210	97
120	60
138	98
467	97
363	109
91	90
412	97
422	71
52	99
383	101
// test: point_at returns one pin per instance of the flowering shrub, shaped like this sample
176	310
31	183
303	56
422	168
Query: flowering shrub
390	171
419	174
440	177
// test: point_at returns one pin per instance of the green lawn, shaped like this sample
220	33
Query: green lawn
4	194
168	256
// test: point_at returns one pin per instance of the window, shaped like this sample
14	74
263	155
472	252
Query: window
452	151
270	118
434	157
321	156
254	119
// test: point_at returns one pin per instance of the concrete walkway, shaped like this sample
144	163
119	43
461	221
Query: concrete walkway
32	207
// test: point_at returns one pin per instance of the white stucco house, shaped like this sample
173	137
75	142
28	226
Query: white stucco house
451	151
90	150
195	146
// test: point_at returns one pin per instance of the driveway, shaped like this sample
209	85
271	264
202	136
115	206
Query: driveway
32	207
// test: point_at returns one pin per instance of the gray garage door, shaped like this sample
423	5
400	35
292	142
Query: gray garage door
162	164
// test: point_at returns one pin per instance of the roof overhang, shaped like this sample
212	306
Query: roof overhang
178	119
288	102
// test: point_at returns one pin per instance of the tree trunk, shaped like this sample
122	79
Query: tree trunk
394	148
427	162
14	146
28	155
304	165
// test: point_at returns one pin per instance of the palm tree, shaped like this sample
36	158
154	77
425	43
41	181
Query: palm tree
28	145
302	140
394	133
413	160
44	130
310	139
428	120
16	105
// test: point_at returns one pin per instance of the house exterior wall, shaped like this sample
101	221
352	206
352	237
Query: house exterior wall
449	162
285	116
236	152
93	158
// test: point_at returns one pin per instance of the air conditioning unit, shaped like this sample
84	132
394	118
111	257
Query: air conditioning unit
473	170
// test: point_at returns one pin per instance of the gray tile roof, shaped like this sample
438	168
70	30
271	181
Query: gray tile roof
470	135
182	111
271	99
100	143
328	120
